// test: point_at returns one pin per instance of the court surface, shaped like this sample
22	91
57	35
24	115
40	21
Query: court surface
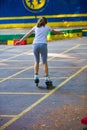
23	106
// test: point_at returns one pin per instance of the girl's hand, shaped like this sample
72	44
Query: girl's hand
17	43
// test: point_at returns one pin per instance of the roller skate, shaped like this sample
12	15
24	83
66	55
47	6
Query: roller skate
48	83
36	80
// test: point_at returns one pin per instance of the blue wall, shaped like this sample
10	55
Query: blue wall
14	12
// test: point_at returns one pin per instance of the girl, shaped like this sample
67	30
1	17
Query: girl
40	48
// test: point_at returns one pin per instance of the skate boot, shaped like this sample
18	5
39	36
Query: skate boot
36	80
48	83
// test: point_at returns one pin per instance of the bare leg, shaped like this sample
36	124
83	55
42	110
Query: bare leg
36	67
46	73
45	67
48	82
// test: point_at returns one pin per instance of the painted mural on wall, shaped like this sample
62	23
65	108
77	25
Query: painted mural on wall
24	13
35	5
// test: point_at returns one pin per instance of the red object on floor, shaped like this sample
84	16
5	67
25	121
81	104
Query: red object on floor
84	120
21	43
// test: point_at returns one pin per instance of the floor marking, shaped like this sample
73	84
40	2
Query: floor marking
82	48
84	59
40	78
65	67
32	78
83	44
65	60
65	52
3	64
17	68
63	55
3	49
59	55
7	115
22	93
15	56
56	55
19	72
20	60
70	49
60	67
41	99
22	78
78	53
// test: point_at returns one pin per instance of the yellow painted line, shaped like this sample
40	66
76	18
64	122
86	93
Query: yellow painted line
20	60
65	60
65	67
83	53
17	67
3	64
32	66
81	48
84	59
7	115
3	49
21	93
19	72
19	17
53	24
47	16
71	49
32	78
61	54
83	45
41	99
60	67
65	15
15	56
40	78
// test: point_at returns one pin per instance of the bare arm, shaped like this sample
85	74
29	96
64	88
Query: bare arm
24	37
57	32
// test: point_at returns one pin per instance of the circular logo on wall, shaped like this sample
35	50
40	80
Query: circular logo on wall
35	6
